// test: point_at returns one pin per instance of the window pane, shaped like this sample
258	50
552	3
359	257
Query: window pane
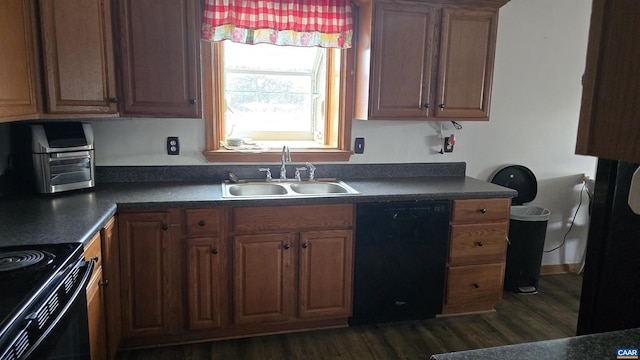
271	91
271	58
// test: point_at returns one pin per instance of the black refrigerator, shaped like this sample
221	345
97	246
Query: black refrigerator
610	297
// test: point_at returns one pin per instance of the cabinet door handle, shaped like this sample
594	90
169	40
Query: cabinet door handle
476	285
165	226
441	106
201	223
192	101
214	251
285	246
104	283
95	259
425	105
483	210
304	245
114	100
480	243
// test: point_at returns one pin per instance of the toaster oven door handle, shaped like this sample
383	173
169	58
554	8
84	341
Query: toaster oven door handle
70	155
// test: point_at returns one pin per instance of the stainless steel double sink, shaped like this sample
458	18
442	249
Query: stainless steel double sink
275	189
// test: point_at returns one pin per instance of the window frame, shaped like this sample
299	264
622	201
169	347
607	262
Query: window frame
338	133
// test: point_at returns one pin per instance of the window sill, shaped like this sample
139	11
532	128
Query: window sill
297	155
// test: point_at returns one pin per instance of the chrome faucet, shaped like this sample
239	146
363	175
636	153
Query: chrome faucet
286	157
312	171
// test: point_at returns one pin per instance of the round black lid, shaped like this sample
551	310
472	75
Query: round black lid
519	178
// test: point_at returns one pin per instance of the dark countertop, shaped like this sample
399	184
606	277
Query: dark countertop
596	346
77	216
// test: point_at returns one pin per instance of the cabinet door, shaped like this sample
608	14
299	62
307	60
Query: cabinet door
111	275
402	49
160	57
609	127
263	277
326	272
78	56
96	317
144	239
17	59
206	283
465	74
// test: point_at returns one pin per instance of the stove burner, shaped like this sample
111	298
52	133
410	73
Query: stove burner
15	260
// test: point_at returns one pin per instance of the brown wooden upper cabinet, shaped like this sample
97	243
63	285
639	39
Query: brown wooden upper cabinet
160	58
17	58
77	57
425	60
609	117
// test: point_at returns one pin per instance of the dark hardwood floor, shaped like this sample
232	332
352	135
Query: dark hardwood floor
550	314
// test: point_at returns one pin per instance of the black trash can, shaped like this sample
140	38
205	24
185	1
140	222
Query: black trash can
527	231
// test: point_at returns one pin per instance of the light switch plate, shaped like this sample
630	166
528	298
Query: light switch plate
359	146
634	192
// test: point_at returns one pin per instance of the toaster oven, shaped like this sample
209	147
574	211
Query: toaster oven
63	156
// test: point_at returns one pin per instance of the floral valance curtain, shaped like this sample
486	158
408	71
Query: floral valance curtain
323	23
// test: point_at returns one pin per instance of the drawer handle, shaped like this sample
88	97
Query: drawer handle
286	246
476	285
483	210
214	251
201	223
480	243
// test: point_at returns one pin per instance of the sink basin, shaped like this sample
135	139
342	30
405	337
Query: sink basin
252	189
319	188
257	190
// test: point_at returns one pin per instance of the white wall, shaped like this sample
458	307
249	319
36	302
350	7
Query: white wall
534	115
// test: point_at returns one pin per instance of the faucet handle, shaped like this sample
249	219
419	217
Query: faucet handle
312	170
298	169
268	173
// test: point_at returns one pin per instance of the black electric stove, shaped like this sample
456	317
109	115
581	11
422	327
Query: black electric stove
30	275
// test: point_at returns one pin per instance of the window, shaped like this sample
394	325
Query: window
274	93
291	96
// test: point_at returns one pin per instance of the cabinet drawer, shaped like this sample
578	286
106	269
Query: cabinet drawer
477	243
480	210
93	250
281	218
474	283
202	221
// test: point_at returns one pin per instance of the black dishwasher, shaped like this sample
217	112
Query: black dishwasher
400	255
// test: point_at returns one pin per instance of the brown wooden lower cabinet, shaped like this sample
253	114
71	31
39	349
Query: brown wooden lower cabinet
95	301
111	286
477	254
150	274
326	273
206	283
96	316
200	274
263	278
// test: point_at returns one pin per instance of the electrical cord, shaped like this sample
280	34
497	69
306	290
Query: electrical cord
564	239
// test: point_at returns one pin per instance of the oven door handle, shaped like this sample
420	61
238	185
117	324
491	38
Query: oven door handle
69	304
70	155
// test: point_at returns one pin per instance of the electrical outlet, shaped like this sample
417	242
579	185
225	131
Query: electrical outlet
358	146
448	144
173	145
